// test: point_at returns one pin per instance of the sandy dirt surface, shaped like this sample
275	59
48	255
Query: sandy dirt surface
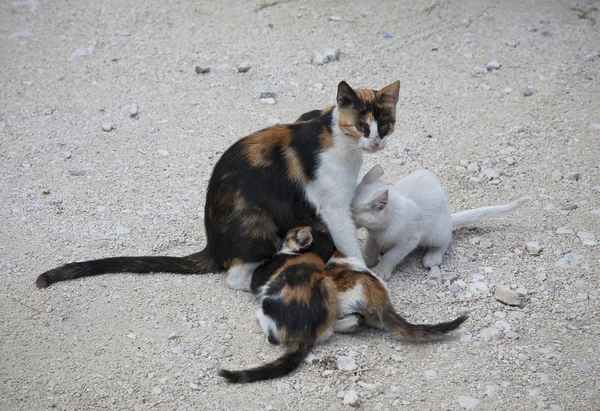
127	342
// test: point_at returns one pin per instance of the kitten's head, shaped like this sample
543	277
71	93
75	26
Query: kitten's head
370	202
368	116
314	238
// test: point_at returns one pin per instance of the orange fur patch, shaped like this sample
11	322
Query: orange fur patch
366	94
257	147
294	169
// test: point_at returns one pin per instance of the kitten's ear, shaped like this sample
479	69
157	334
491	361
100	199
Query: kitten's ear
380	201
345	95
372	174
390	93
304	238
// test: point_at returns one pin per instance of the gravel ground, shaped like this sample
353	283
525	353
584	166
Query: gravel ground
109	134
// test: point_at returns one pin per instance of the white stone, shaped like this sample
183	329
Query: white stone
351	399
507	296
468	402
490	334
430	374
346	363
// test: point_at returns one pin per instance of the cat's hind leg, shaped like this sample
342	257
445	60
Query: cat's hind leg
434	256
239	275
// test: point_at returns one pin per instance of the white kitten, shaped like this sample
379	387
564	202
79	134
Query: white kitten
413	213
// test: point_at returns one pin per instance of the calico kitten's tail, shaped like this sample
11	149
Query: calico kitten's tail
284	365
198	263
417	332
476	215
377	303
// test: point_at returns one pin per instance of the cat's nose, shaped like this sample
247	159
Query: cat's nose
374	145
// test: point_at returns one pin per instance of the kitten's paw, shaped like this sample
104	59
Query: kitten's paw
382	272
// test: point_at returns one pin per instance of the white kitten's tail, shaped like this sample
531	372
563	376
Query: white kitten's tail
476	215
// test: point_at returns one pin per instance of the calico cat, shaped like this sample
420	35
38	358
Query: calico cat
303	302
270	182
412	213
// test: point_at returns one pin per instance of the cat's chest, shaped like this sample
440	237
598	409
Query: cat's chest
335	181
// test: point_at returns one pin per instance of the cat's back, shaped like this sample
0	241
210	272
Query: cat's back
423	188
300	296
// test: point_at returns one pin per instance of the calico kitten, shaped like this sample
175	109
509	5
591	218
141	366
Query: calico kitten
363	297
298	305
304	302
412	213
270	182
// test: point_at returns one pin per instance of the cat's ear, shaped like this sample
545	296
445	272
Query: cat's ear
304	238
372	174
345	95
390	93
380	201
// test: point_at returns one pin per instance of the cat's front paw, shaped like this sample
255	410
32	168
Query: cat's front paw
382	272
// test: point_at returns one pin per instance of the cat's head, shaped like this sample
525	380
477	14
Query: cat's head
371	199
314	238
367	116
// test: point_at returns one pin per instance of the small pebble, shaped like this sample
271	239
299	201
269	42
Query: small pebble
464	336
133	110
430	374
533	247
435	273
492	390
48	111
172	336
202	70
49	309
588	239
177	350
194	387
564	230
107	127
268	97
507	296
387	35
490	334
243	67
346	363
571	176
473	167
584	367
510	161
367	386
493	65
120	230
528	91
351	399
468	402
511	43
334	18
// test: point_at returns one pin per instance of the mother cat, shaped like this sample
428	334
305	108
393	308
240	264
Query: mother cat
271	181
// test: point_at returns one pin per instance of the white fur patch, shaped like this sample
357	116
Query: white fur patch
239	277
348	299
373	132
266	323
